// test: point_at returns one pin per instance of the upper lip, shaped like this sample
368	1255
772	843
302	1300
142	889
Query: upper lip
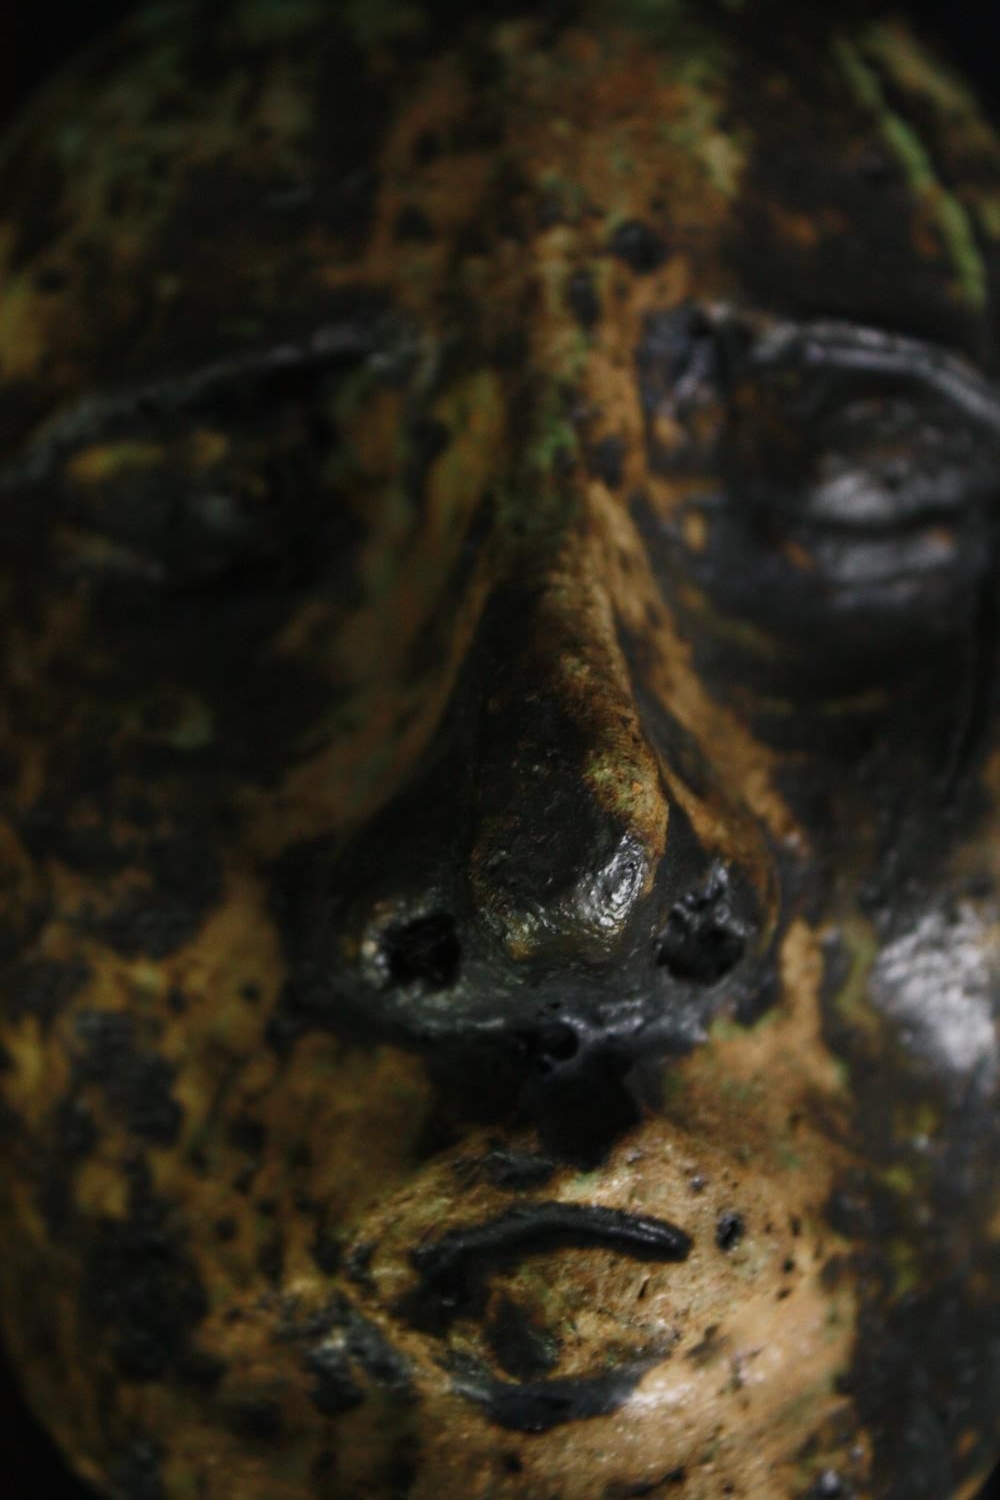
453	1268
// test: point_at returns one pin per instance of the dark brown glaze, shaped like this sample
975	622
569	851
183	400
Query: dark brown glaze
498	771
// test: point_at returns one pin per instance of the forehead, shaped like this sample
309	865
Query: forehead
221	176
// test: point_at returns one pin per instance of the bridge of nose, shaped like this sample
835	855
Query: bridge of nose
571	812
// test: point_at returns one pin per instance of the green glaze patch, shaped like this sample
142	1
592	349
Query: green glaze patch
852	1000
916	71
554	443
950	215
474	413
703	79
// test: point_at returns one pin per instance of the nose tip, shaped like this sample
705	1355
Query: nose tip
509	953
570	823
497	890
545	892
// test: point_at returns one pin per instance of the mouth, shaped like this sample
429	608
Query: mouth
453	1269
453	1276
601	1309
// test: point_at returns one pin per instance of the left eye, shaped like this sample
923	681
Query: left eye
881	492
859	483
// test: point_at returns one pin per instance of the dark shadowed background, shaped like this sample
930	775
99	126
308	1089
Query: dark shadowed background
33	40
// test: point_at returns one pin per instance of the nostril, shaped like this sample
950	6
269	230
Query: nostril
558	1042
549	1046
701	957
425	951
702	940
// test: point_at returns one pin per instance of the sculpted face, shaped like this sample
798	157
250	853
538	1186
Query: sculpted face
498	757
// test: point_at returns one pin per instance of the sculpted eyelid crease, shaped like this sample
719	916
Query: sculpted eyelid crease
868	351
349	343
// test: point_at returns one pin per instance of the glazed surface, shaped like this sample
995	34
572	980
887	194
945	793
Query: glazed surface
499	937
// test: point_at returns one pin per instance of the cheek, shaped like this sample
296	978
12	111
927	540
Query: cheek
288	1136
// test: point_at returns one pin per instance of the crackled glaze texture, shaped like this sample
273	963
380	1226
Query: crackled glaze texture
499	934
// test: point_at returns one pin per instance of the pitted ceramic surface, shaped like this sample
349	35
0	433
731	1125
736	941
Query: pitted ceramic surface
498	756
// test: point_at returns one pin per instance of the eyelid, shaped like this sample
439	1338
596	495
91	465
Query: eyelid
104	418
839	346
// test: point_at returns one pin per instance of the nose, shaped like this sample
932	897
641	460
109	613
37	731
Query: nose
533	883
570	812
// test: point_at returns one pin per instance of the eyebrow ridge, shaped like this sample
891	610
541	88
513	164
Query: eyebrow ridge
841	345
101	417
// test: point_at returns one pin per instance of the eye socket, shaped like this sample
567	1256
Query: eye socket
883	464
862	454
859	484
205	478
882	500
